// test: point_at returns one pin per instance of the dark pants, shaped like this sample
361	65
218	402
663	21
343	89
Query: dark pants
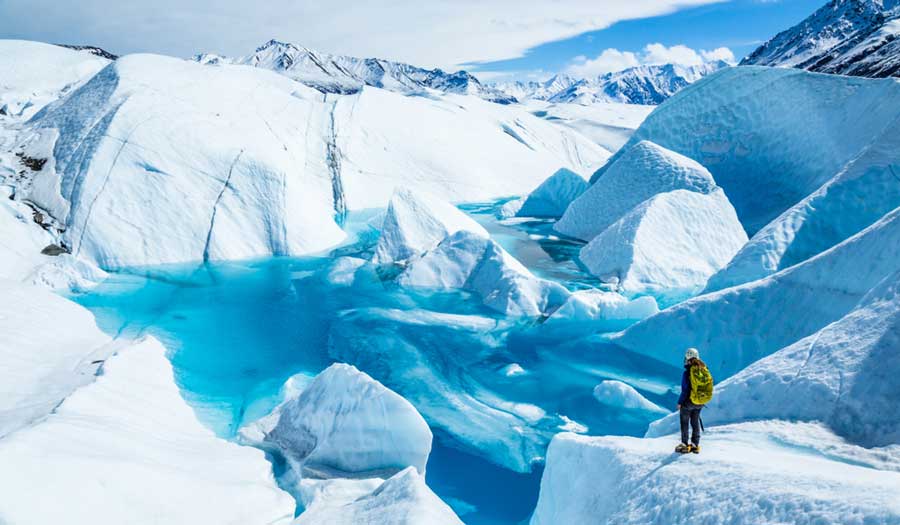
690	413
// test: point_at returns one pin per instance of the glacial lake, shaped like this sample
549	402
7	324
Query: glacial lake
237	330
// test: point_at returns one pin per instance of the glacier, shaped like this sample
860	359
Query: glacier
554	195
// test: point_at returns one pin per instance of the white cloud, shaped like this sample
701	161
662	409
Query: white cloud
608	61
611	59
430	33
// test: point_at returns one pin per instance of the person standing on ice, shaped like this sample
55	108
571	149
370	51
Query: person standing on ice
696	391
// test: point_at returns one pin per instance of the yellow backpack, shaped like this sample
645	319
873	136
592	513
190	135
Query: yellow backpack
701	385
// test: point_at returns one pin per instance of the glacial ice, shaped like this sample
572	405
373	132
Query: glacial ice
767	472
21	240
770	136
348	423
862	192
35	73
667	246
469	261
843	375
641	172
415	223
127	445
554	195
67	273
623	396
600	311
739	325
402	499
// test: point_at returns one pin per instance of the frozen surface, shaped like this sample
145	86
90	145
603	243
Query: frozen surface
21	240
667	246
49	347
608	124
592	310
468	261
402	499
771	136
347	422
772	472
35	74
864	190
843	375
554	195
737	326
415	223
67	273
624	396
128	445
641	172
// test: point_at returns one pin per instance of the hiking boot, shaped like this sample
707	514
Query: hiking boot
695	449
683	448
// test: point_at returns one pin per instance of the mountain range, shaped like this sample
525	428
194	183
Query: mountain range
847	37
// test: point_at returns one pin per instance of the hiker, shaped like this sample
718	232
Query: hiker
696	391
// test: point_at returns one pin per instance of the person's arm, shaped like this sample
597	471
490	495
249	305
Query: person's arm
685	389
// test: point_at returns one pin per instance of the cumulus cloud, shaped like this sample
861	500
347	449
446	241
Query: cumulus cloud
432	33
611	60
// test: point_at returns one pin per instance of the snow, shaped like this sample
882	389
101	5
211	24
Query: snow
642	171
773	472
861	193
608	124
554	195
66	273
793	132
623	396
347	422
416	222
206	174
737	326
510	209
35	74
402	499
50	347
127	446
468	261
667	246
600	311
843	375
21	239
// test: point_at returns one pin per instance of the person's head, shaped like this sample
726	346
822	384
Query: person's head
691	353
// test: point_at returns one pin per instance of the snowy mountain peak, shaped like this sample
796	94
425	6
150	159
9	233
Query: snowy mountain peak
345	74
849	37
648	84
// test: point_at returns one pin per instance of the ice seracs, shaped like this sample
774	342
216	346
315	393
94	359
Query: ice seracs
641	172
554	195
416	222
346	422
402	499
795	130
739	325
597	310
469	261
667	246
623	396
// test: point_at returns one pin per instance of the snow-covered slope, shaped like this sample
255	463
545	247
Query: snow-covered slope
343	74
843	375
773	472
33	74
737	326
847	37
771	136
647	85
127	447
228	162
608	124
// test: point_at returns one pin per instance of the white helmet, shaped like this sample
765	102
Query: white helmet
691	353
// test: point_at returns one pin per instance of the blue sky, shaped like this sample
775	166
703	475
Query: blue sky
740	25
513	38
